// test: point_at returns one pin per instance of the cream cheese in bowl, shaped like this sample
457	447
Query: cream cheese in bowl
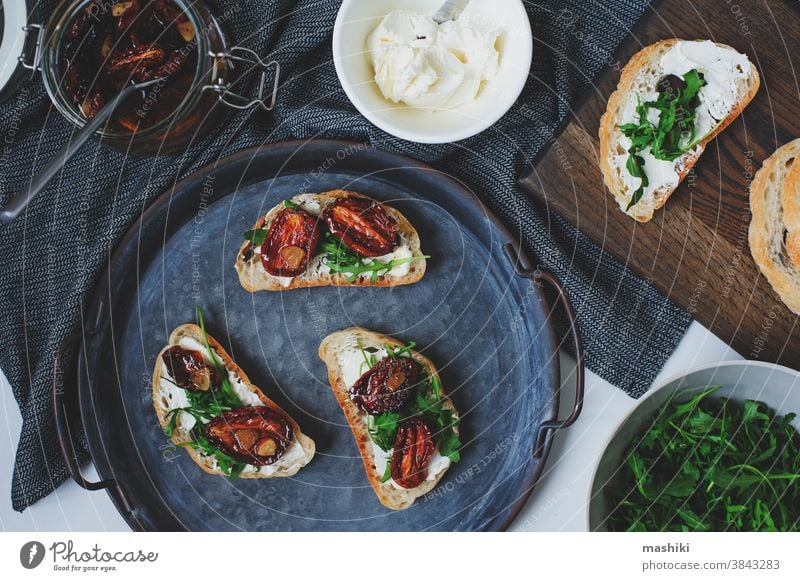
424	64
427	82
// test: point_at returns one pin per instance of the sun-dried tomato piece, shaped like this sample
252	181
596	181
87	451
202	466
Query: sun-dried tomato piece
168	68
413	450
189	369
256	435
126	14
291	242
79	25
138	56
92	104
387	386
363	225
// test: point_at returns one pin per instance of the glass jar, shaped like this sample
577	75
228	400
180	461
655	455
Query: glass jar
201	103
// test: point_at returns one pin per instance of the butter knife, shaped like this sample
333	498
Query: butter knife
450	10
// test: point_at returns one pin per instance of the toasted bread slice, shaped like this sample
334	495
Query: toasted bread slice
254	278
167	396
640	81
790	196
773	204
335	350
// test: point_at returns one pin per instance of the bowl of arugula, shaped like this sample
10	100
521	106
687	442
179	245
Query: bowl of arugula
716	449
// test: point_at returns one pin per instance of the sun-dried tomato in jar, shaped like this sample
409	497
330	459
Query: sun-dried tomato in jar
95	48
107	48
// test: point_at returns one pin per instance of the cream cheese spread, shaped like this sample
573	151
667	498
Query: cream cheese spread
432	66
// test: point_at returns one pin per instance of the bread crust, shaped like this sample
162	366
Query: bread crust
610	133
390	496
254	278
193	331
774	184
790	196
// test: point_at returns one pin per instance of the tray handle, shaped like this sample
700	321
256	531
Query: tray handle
540	276
63	433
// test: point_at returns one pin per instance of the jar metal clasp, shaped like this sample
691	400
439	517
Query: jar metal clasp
264	98
31	55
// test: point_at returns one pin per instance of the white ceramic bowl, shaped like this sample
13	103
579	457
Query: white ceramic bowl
358	18
777	386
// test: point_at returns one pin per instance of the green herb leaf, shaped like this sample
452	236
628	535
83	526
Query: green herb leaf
340	259
256	237
426	404
290	204
387	473
398	351
226	389
709	464
369	358
670	137
383	429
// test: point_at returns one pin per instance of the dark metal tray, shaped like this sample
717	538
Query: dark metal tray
486	327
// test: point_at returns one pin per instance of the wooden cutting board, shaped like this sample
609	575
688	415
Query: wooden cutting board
695	250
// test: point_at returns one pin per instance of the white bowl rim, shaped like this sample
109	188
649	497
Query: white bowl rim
486	121
656	388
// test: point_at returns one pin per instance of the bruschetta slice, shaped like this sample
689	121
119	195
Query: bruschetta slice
207	405
405	427
337	238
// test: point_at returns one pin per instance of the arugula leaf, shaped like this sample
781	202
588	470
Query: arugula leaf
710	464
383	429
369	358
229	466
340	259
398	351
387	473
256	237
226	389
670	137
427	404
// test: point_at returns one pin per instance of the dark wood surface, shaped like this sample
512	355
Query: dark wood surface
695	249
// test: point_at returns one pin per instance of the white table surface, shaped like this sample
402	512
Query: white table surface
557	504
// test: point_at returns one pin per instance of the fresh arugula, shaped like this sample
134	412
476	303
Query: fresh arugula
383	429
427	403
340	259
226	389
387	473
670	137
256	237
398	351
369	358
710	464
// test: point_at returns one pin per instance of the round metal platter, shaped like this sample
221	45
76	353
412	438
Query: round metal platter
485	328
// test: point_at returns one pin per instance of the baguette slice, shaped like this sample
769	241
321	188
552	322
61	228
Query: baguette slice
165	395
773	204
253	277
639	80
333	349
